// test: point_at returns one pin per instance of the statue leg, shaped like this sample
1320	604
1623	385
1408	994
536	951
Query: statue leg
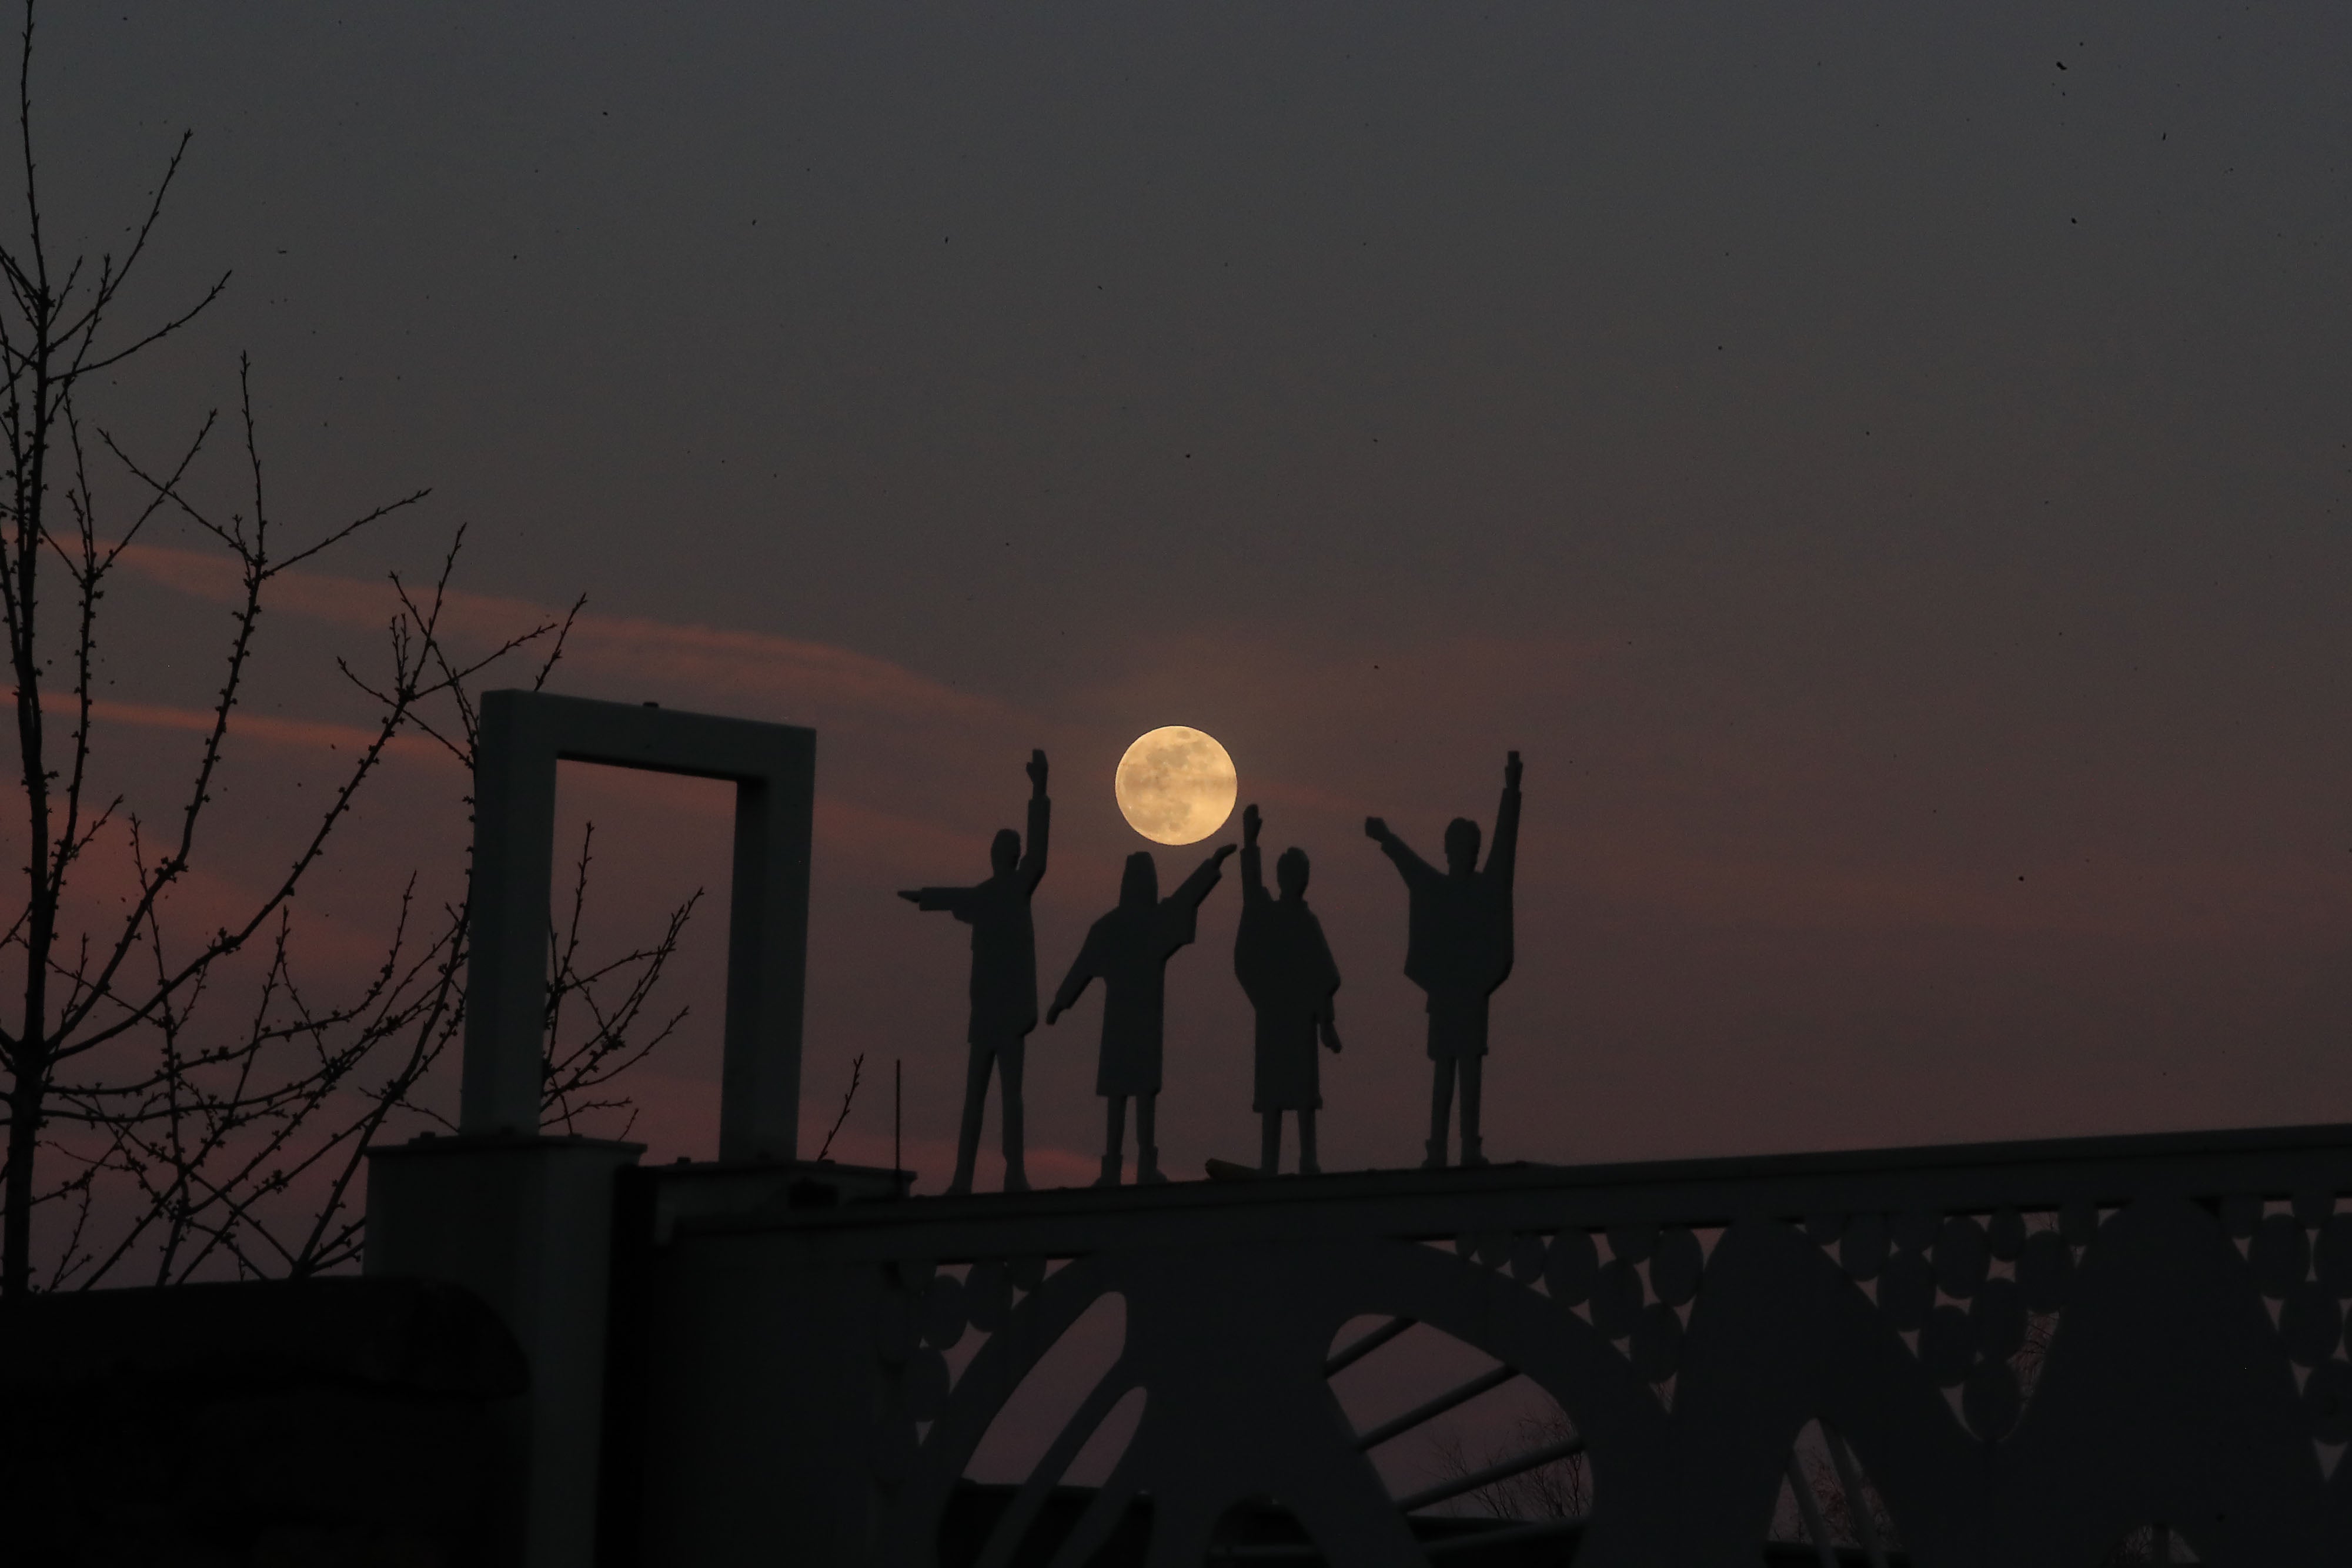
1307	1165
1008	1068
1440	1108
1473	1149
975	1099
1269	1157
1111	1154
1146	1147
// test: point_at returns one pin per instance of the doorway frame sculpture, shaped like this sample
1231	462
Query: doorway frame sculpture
524	735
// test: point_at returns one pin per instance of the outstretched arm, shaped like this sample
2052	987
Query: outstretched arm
1196	886
1503	855
1041	824
1179	910
1411	864
949	899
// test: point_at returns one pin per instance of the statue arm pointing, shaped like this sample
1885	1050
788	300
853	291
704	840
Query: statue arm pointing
935	899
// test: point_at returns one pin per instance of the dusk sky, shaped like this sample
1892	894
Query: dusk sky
1888	470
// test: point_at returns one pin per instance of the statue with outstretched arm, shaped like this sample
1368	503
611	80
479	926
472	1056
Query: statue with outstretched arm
1004	978
1284	965
1458	950
1128	950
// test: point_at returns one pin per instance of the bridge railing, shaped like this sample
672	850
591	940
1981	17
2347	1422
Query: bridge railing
2028	1353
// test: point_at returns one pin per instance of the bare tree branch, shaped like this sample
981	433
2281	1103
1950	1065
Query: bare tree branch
856	1070
176	1101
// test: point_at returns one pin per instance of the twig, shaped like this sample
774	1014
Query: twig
856	1070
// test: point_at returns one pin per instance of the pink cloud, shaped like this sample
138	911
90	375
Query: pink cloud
315	735
755	669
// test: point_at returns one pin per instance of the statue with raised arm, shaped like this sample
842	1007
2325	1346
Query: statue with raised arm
1128	950
1284	965
1458	949
1004	978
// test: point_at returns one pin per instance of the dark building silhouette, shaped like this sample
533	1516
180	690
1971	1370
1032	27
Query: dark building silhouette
1128	949
1458	950
1285	965
1004	978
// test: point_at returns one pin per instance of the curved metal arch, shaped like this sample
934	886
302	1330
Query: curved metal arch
1260	1382
2167	1394
1031	1330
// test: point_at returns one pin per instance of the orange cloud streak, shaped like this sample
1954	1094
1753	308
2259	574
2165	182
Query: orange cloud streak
766	669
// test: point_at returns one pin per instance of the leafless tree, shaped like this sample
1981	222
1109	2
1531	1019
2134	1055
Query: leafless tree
1560	1489
583	1059
848	1098
1838	1509
2150	1543
2033	1356
165	1137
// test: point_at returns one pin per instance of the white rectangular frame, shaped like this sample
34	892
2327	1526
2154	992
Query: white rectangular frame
773	767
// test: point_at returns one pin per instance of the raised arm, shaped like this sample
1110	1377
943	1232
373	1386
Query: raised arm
1041	824
1410	866
1253	859
1503	855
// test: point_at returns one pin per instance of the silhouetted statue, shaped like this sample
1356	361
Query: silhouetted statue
1285	967
1128	950
1458	951
1004	977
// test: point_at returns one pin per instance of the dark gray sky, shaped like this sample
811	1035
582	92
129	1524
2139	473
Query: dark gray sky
1889	470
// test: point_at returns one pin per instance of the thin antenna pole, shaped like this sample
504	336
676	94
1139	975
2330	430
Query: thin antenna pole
898	1118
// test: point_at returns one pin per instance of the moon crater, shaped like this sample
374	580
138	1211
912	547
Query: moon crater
1176	785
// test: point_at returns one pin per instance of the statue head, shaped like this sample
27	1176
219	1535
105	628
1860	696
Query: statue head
1461	846
1290	873
1005	852
1139	886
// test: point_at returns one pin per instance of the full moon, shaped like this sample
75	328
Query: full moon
1175	785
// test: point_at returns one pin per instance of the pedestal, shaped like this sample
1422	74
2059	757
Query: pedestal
525	1223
